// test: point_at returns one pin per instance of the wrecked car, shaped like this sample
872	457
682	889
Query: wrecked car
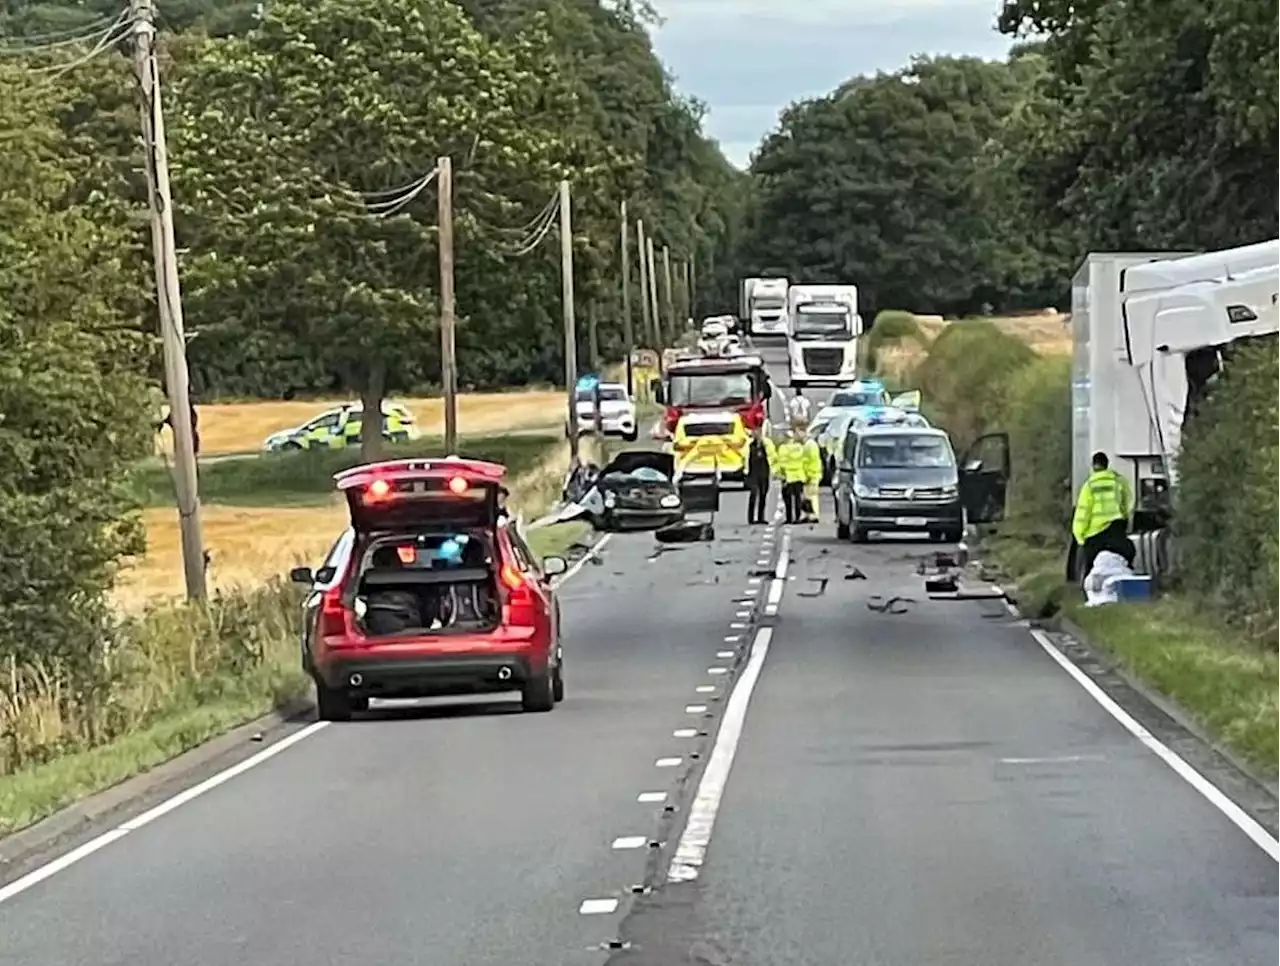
634	491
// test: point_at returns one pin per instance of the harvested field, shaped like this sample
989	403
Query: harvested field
241	427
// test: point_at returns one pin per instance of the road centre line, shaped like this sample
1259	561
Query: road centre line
1241	819
83	851
779	582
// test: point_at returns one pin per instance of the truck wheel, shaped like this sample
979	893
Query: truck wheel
859	534
557	684
842	531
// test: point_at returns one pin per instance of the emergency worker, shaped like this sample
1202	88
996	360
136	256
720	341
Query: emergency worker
790	469
1101	519
759	470
812	476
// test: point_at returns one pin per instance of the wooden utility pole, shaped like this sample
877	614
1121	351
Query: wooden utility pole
659	344
671	300
647	322
448	308
628	329
593	348
686	293
570	328
693	284
169	299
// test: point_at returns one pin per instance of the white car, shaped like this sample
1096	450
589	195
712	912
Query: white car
617	411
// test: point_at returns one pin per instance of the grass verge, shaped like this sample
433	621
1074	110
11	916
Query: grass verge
174	677
1225	683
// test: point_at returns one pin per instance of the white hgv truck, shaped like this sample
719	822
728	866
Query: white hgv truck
763	307
1150	332
823	326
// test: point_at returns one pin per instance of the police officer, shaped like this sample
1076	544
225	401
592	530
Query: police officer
759	468
1102	515
812	475
790	467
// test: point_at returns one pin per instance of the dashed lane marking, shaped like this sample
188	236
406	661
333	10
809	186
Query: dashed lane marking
705	689
597	907
629	842
694	708
725	653
717	670
685	733
648	798
668	762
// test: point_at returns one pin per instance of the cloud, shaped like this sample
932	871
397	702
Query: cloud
748	59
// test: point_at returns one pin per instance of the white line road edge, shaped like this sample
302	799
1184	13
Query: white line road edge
1241	819
68	859
692	848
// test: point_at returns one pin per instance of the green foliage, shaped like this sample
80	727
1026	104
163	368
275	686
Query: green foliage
888	183
1155	124
278	479
72	396
890	326
965	378
1226	499
1037	415
175	677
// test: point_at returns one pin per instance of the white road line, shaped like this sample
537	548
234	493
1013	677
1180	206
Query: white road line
685	733
597	907
694	708
732	638
737	626
667	762
692	848
725	653
68	859
743	613
754	581
648	797
106	838
629	842
1056	760
1242	820
717	670
582	561
705	689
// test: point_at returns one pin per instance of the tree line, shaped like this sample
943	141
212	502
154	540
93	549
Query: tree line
960	185
297	130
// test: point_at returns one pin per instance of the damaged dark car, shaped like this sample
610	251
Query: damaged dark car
634	491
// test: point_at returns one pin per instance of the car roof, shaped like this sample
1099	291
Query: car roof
890	429
714	366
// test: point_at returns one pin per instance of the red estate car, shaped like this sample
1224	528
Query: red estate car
430	592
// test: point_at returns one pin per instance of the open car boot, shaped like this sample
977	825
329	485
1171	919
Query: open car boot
428	584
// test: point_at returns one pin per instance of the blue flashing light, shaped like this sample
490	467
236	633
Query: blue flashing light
588	382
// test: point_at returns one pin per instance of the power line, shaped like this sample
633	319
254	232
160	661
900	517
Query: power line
108	38
536	230
55	39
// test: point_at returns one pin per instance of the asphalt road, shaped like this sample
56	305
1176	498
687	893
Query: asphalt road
919	789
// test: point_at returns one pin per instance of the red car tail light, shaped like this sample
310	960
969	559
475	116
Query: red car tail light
672	418
520	608
336	626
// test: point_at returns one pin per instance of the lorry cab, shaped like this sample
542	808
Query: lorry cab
823	326
764	305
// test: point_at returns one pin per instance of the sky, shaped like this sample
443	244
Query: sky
748	59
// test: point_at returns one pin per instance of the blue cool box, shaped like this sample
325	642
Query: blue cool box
1137	587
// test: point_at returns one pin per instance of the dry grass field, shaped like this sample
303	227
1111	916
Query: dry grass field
241	427
250	544
1048	333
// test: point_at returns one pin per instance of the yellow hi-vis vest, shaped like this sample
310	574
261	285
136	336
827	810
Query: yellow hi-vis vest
790	461
1104	498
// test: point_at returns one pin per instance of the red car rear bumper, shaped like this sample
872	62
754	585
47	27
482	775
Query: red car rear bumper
463	664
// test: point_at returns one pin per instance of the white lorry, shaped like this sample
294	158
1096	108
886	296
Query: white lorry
1149	333
823	326
763	306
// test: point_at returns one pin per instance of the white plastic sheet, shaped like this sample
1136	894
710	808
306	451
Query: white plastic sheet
1100	585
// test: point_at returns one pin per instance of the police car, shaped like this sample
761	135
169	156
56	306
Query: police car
340	426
